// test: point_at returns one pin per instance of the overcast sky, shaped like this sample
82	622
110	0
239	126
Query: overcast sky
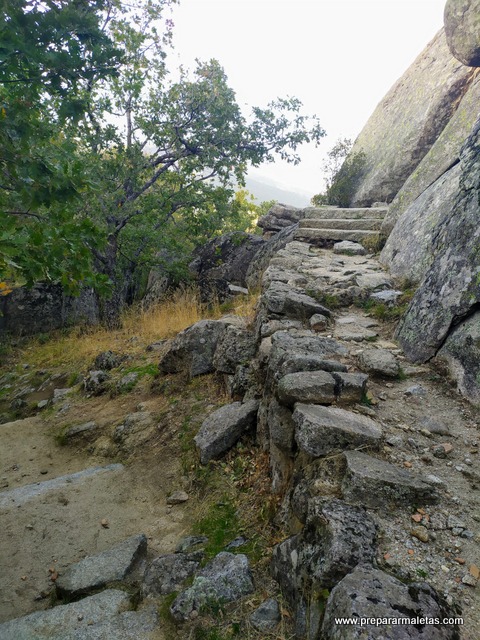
339	57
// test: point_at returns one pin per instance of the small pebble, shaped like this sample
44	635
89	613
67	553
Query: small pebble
420	533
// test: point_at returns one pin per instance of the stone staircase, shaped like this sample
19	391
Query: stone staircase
324	225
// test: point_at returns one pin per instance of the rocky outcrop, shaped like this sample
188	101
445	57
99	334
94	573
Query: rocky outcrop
45	307
450	291
410	117
223	262
462	28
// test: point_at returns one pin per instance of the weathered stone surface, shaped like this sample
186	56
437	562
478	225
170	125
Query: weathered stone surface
193	349
371	593
266	616
56	623
272	326
224	261
263	256
310	363
280	216
280	299
133	425
376	483
221	430
441	158
44	308
227	577
379	362
167	573
281	426
235	347
118	563
306	386
321	430
108	360
337	537
349	248
286	567
80	429
129	625
96	382
462	29
318	322
450	290
410	117
461	352
350	387
408	252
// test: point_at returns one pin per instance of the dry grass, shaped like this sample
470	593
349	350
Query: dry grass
140	327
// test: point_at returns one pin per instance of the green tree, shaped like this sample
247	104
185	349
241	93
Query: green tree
342	171
161	158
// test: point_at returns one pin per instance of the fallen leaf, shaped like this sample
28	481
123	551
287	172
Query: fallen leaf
474	571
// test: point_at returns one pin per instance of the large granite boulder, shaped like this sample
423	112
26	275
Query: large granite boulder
462	28
224	261
261	260
373	594
450	291
46	307
410	117
280	216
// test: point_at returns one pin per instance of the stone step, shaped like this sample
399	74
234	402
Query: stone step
366	224
342	213
354	235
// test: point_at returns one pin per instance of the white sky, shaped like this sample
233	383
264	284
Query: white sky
339	57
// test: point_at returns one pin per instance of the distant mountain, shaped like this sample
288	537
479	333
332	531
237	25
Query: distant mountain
265	190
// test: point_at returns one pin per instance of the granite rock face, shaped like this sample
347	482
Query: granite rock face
450	290
371	593
410	117
462	28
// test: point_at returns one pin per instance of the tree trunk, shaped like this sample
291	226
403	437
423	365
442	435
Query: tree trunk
111	307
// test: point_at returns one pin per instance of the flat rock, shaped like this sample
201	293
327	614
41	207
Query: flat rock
374	281
376	483
379	362
354	333
80	429
350	387
56	623
321	430
236	346
266	616
371	593
116	564
306	386
221	430
349	248
225	579
167	573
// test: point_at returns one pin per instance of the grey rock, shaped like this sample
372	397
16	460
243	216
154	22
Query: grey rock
189	543
318	322
301	362
116	564
177	497
223	263
236	543
267	616
59	395
461	353
262	258
280	299
240	382
108	360
281	426
279	217
415	390
388	296
373	281
193	349
226	578
438	80
321	430
350	387
380	362
80	429
337	538
286	568
349	248
74	618
221	430
371	593
127	382
167	573
235	347
306	386
449	291
461	29
133	424
376	483
96	382
44	308
129	625
271	326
